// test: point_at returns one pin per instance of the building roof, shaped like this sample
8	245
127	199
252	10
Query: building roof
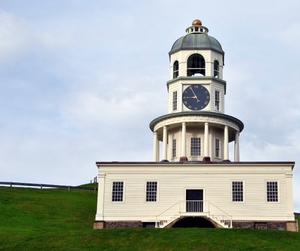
196	41
198	114
198	163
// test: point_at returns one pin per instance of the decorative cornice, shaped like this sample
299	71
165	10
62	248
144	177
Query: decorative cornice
197	114
221	81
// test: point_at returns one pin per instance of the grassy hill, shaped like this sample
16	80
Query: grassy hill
55	219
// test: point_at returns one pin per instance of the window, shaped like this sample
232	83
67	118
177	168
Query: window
175	101
117	191
195	146
217	100
151	191
237	191
272	191
175	69
196	65
174	148
216	69
217	148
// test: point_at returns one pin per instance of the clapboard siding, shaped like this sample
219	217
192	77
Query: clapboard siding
214	179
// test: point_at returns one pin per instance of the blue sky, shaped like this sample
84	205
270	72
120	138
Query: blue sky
81	80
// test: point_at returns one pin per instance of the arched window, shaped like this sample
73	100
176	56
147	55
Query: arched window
175	69
196	65
216	69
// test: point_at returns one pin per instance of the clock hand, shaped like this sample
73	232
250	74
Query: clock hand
196	97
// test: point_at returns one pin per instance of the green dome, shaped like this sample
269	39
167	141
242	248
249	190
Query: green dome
196	41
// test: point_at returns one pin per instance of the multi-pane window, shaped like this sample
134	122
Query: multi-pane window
237	191
117	191
175	101
272	191
174	148
217	148
175	69
217	100
195	146
151	191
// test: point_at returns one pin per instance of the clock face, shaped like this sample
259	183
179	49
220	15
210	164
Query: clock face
195	97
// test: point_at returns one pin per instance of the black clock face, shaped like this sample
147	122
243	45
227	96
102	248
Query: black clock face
195	97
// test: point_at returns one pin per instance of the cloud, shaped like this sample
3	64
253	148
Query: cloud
291	36
13	36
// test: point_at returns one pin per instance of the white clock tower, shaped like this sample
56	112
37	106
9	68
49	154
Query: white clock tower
196	127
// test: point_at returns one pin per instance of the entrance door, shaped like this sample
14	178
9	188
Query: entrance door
194	200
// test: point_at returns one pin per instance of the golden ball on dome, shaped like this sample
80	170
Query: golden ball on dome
197	22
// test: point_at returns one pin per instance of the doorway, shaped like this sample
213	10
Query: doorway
194	200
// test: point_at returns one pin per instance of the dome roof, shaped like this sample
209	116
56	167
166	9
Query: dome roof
197	38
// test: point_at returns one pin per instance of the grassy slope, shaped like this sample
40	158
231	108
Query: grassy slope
55	219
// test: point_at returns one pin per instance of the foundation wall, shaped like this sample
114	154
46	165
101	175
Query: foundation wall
270	225
117	224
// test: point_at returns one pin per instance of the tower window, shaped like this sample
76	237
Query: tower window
195	65
151	191
195	146
117	191
272	191
174	148
217	100
175	101
216	69
175	69
237	191
217	148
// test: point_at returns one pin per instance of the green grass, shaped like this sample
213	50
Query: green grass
55	219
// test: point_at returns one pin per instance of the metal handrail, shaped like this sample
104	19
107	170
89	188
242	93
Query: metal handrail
195	206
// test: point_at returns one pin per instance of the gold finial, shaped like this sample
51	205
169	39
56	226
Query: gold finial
196	22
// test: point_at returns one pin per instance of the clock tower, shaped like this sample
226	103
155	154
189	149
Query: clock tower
196	127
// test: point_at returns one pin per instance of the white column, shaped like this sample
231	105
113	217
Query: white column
237	147
226	150
100	201
155	147
206	139
165	138
183	140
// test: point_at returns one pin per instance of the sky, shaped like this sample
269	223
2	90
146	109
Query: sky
81	80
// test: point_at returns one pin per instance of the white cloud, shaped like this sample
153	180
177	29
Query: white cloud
291	36
13	36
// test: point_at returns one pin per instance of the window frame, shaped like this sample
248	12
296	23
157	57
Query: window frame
217	100
200	68
150	193
195	146
216	69
270	193
175	69
238	194
174	148
115	193
217	148
175	101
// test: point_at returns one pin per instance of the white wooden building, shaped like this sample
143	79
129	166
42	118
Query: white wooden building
193	183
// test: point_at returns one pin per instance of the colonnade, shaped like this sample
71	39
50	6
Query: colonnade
183	149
